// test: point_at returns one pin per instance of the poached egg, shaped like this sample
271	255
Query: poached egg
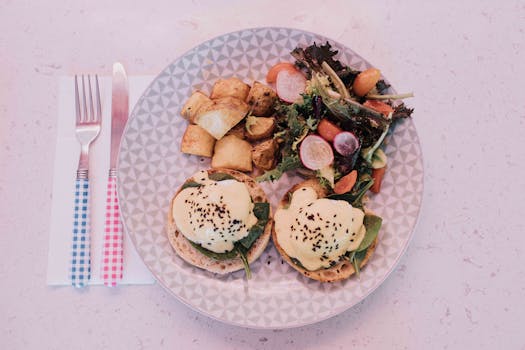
214	214
318	231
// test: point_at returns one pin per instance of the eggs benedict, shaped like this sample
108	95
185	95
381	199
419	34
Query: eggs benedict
220	221
323	238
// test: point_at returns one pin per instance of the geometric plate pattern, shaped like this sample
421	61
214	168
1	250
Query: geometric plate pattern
151	167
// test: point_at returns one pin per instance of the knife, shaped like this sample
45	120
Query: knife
113	253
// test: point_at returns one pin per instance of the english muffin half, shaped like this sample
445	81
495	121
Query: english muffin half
322	237
220	220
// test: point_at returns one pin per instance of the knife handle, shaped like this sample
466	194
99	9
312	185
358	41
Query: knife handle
113	253
80	268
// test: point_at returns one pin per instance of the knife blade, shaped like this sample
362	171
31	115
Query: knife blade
113	252
119	110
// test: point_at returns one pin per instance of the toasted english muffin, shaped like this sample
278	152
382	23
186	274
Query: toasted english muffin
190	254
343	269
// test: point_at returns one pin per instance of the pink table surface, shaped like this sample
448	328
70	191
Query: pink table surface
461	283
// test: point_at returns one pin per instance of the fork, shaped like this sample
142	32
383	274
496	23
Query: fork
87	129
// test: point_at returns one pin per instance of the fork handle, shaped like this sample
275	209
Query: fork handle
80	269
113	253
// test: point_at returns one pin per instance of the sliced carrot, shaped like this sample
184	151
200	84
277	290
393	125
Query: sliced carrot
377	175
271	77
346	183
327	130
379	106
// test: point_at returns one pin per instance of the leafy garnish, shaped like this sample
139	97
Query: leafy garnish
355	197
401	111
243	255
287	163
368	152
356	258
372	224
326	176
220	177
243	246
217	256
190	184
297	262
214	177
382	86
313	56
262	212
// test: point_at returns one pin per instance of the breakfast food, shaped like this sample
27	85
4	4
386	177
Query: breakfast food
220	221
219	124
318	117
324	238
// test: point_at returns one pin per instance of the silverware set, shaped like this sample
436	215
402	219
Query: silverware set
87	129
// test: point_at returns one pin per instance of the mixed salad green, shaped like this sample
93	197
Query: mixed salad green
336	131
330	96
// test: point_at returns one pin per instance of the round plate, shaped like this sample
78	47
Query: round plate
151	168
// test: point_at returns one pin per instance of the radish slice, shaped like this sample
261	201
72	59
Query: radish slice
315	152
346	143
290	84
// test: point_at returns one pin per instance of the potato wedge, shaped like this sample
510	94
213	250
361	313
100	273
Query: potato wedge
232	87
197	141
261	98
232	153
196	101
258	128
263	154
238	130
221	116
231	102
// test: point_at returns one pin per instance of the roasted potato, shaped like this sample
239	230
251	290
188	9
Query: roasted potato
221	116
197	141
232	87
261	98
258	128
263	154
232	153
238	130
196	101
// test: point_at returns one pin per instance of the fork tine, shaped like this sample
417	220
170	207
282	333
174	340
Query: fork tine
91	112
77	100
99	108
84	117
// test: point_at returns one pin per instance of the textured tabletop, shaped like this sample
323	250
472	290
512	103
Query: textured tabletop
460	284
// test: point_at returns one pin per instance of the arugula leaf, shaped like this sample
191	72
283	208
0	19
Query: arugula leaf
297	262
356	258
243	255
262	212
287	163
190	184
214	177
217	256
220	177
372	224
